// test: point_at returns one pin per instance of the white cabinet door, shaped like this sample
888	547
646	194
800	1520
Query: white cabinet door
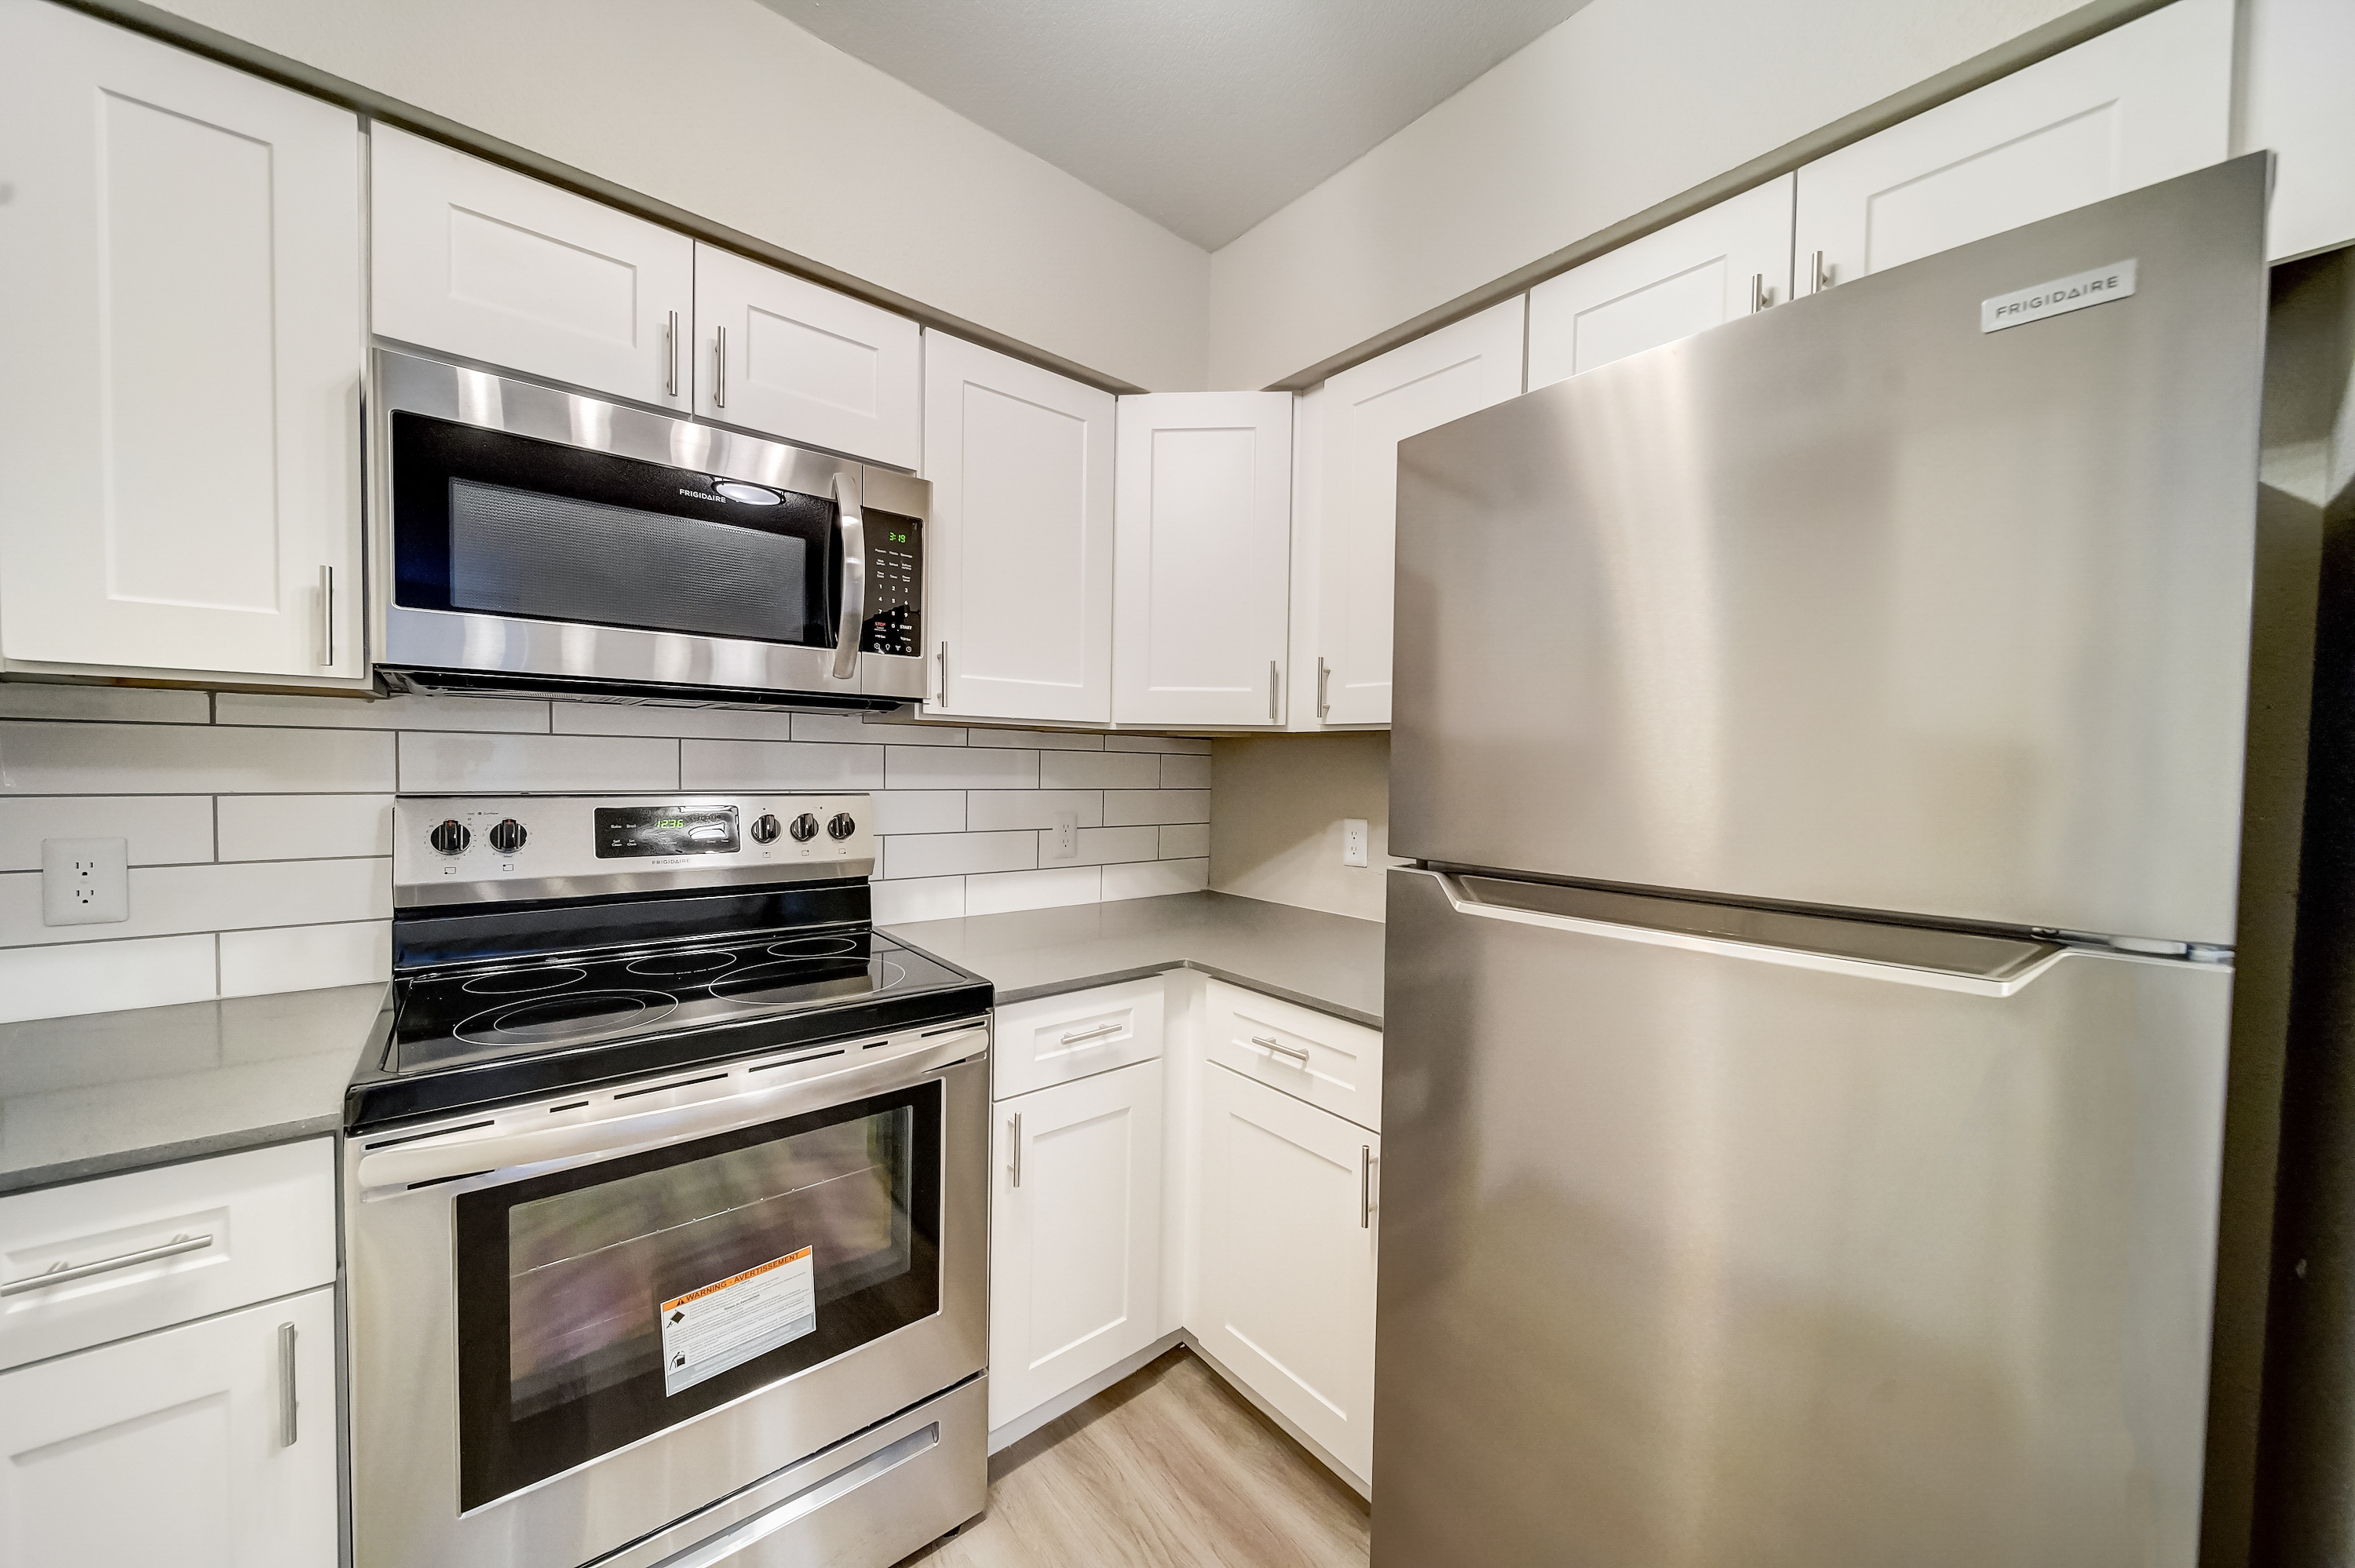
1366	411
1202	603
780	354
1019	574
178	1448
489	264
182	333
2140	103
2297	103
1285	1294
1700	273
1075	1235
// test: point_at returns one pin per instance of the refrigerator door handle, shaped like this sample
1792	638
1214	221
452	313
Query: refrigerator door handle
2005	982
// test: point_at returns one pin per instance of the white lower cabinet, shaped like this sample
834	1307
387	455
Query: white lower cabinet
209	1445
1284	1294
1075	1235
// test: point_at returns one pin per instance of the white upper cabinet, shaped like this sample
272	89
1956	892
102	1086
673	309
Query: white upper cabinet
182	332
781	356
2141	103
1019	572
1362	416
1204	520
1700	273
489	264
2297	104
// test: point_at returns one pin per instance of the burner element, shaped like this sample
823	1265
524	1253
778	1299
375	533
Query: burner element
578	1018
817	948
677	966
521	982
806	981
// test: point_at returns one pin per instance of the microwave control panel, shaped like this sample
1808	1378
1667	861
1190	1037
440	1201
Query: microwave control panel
895	585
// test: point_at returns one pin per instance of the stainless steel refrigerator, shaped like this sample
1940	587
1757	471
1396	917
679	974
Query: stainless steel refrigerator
1805	1029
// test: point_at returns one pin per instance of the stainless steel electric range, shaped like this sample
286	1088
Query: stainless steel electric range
665	1197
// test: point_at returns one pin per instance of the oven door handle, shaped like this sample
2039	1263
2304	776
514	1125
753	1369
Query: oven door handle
854	577
471	1153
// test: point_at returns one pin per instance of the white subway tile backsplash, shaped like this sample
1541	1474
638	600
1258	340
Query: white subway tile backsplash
850	726
1179	772
304	957
1098	846
918	811
1043	739
986	809
101	977
927	898
959	767
956	854
1131	808
779	765
177	759
124	704
647	718
1012	890
1151	879
1185	840
899	732
169	899
1099	770
1191	745
440	764
403	712
163	830
304	827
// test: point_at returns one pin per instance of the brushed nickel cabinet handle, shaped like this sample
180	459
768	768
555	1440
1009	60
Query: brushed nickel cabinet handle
1280	1050
63	1274
670	356
286	1400
1018	1147
1271	691
1759	296
1324	687
719	367
327	617
944	675
1365	1186
1819	273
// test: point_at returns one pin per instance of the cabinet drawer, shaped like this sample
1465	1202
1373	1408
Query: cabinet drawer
198	1238
1308	1054
1059	1038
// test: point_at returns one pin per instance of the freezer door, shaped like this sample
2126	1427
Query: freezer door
1699	1251
1851	603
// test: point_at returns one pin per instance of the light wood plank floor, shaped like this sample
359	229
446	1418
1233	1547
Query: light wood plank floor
1169	1469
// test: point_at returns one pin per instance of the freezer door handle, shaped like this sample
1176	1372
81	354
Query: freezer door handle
1895	955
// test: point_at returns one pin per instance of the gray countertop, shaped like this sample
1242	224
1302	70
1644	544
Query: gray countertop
1329	963
115	1091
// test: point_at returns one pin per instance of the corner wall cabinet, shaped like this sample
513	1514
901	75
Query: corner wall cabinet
1019	559
179	422
1203	523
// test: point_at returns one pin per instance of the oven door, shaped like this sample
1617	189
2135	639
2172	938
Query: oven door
553	1359
550	537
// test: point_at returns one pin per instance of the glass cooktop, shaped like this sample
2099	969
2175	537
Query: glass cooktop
493	1012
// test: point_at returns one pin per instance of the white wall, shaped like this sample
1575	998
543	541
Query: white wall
729	111
1624	105
1282	799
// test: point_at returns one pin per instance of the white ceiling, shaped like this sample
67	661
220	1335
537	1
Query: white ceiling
1204	115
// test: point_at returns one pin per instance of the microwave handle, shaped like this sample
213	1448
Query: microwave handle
854	577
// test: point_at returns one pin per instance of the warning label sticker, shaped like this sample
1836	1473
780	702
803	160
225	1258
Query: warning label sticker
726	1324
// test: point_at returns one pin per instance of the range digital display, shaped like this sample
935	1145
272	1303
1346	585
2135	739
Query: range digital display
626	831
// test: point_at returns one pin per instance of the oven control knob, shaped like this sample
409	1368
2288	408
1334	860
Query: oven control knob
509	836
842	827
765	828
451	837
805	828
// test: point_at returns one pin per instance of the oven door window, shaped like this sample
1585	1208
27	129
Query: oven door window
493	523
564	1280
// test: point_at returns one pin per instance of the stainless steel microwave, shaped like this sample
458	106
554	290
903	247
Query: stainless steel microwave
534	539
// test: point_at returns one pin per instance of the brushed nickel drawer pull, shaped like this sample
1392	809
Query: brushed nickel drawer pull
1018	1149
1099	1031
286	1401
1293	1051
62	1274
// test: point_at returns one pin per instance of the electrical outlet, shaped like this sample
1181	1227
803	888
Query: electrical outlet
85	882
1353	841
1063	838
